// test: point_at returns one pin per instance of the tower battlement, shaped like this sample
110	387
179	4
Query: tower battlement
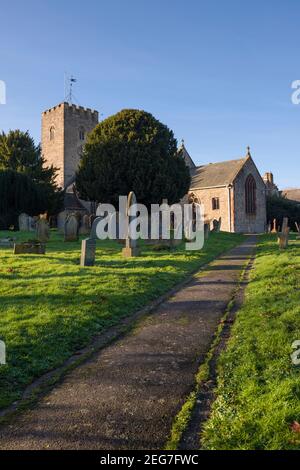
64	131
73	108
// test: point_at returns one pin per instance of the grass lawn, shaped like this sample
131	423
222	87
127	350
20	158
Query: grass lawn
258	393
50	306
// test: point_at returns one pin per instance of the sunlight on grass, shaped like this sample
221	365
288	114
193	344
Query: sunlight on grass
258	393
50	306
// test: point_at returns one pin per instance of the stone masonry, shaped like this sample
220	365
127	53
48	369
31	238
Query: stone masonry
64	131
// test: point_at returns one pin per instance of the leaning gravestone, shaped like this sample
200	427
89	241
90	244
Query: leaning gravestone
131	249
88	252
283	236
24	222
42	230
71	228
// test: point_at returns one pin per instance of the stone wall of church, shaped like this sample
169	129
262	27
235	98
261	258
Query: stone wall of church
78	123
206	196
53	148
249	223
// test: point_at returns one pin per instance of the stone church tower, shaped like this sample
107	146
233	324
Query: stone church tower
64	131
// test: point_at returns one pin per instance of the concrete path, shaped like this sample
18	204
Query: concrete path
128	394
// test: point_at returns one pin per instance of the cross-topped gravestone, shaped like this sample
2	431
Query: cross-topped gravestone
131	249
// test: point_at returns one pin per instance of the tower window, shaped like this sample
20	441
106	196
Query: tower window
250	195
81	133
52	133
215	203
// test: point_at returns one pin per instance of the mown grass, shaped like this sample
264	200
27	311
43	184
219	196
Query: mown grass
258	392
50	306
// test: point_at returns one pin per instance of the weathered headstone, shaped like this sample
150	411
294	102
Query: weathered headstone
42	230
61	220
24	222
131	249
32	248
283	236
206	231
71	228
32	223
217	225
88	252
84	228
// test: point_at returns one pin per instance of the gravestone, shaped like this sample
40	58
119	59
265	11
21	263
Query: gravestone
283	236
61	220
42	230
206	231
71	228
84	228
2	353
88	252
31	248
131	249
217	225
274	229
7	242
24	222
32	223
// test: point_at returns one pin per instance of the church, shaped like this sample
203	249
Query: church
233	193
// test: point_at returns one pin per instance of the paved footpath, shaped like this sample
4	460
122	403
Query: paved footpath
127	395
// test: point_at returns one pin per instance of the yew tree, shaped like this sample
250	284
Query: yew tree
132	151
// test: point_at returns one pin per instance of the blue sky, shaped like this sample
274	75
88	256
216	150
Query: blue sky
217	72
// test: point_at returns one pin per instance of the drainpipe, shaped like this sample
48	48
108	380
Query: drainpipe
229	207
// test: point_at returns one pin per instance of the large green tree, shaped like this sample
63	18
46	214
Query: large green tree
19	153
132	151
19	193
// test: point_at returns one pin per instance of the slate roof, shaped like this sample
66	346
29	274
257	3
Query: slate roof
71	202
292	194
216	174
182	151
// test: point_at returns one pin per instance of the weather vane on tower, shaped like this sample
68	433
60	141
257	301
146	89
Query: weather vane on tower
69	95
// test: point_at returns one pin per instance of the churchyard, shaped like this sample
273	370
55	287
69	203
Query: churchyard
51	306
257	397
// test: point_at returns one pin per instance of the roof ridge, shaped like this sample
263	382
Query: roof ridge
223	161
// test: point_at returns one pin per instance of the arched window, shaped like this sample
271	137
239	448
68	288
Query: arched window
52	133
81	133
215	202
250	195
